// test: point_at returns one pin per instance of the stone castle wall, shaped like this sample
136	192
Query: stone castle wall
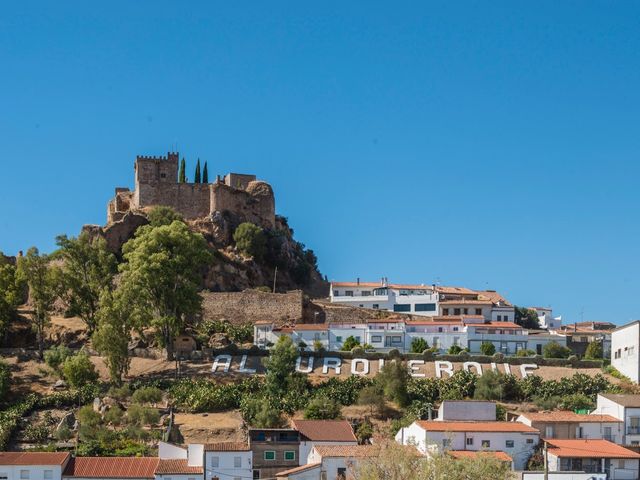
252	305
192	200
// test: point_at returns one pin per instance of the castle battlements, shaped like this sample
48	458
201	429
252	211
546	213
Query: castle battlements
156	183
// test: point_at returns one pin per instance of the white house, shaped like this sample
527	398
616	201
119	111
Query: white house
625	408
625	350
322	432
228	461
571	425
515	439
593	456
507	337
546	320
32	465
466	410
336	460
414	299
441	332
178	463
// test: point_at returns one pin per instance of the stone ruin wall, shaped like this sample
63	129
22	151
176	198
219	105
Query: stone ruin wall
255	205
191	200
250	306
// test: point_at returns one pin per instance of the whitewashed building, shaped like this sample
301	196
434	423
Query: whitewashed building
513	438
625	408
625	350
33	465
570	425
546	320
322	432
228	461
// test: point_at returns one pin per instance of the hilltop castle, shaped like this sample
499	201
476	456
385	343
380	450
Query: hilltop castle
156	183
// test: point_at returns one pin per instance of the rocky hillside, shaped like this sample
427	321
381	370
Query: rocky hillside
230	271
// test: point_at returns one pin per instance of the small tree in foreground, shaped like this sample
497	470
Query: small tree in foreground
594	351
250	240
349	343
419	345
555	350
487	348
78	370
322	408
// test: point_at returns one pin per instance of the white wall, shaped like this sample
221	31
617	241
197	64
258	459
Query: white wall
624	350
467	410
307	446
36	472
226	469
563	476
168	451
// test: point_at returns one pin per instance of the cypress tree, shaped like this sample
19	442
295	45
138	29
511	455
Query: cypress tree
205	174
197	176
182	176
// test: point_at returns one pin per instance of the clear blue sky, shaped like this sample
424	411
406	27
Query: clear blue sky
484	144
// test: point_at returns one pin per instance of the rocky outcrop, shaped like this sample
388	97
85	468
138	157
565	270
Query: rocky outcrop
117	233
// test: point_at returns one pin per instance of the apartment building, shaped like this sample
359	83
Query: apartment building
625	408
625	350
414	299
273	450
567	425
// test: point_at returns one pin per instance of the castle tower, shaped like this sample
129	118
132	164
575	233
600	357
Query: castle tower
151	172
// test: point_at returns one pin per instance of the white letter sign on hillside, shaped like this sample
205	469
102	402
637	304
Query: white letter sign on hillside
243	366
525	367
467	366
331	362
365	367
309	367
221	360
443	366
414	369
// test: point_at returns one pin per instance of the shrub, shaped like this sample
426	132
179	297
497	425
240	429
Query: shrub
454	350
489	387
393	378
501	412
5	379
64	433
576	401
88	417
364	432
547	403
139	415
594	351
120	393
322	408
78	370
419	345
525	352
498	356
147	395
162	215
394	353
373	397
250	240
349	343
555	350
114	415
55	357
487	348
260	413
357	351
317	346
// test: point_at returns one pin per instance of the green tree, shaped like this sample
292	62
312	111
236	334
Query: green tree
139	415
555	350
161	215
576	401
88	268
454	350
349	343
419	345
10	294
526	317
197	178
147	395
594	351
394	379
182	175
525	352
261	413
364	432
489	386
5	379
205	174
55	357
79	371
281	367
43	281
111	339
487	348
162	272
250	240
373	398
322	408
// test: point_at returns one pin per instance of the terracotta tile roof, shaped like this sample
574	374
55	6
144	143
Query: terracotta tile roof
496	325
503	456
569	416
400	286
33	458
589	449
301	468
438	426
227	447
466	301
325	430
436	322
111	467
176	467
356	284
495	297
310	326
347	450
455	290
627	400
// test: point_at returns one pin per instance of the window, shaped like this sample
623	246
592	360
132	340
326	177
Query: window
215	462
237	462
436	342
336	293
339	339
478	311
425	307
376	338
469	440
456	341
486	443
446	442
456	311
548	431
509	444
269	455
445	311
395	339
465	311
366	293
163	175
48	474
256	474
24	474
499	318
440	330
342	473
348	293
290	455
376	306
358	338
361	305
455	329
529	440
402	308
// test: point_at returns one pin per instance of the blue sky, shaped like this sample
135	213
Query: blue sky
484	144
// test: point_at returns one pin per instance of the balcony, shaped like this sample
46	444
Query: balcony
633	430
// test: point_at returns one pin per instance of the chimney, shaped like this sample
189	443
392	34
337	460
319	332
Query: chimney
358	281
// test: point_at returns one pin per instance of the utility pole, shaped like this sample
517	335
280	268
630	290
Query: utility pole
275	276
546	460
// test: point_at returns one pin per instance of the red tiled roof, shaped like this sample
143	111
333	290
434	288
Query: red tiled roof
325	430
496	325
456	290
588	449
503	456
177	467
227	447
569	416
33	458
466	301
438	426
347	450
111	467
301	468
356	284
